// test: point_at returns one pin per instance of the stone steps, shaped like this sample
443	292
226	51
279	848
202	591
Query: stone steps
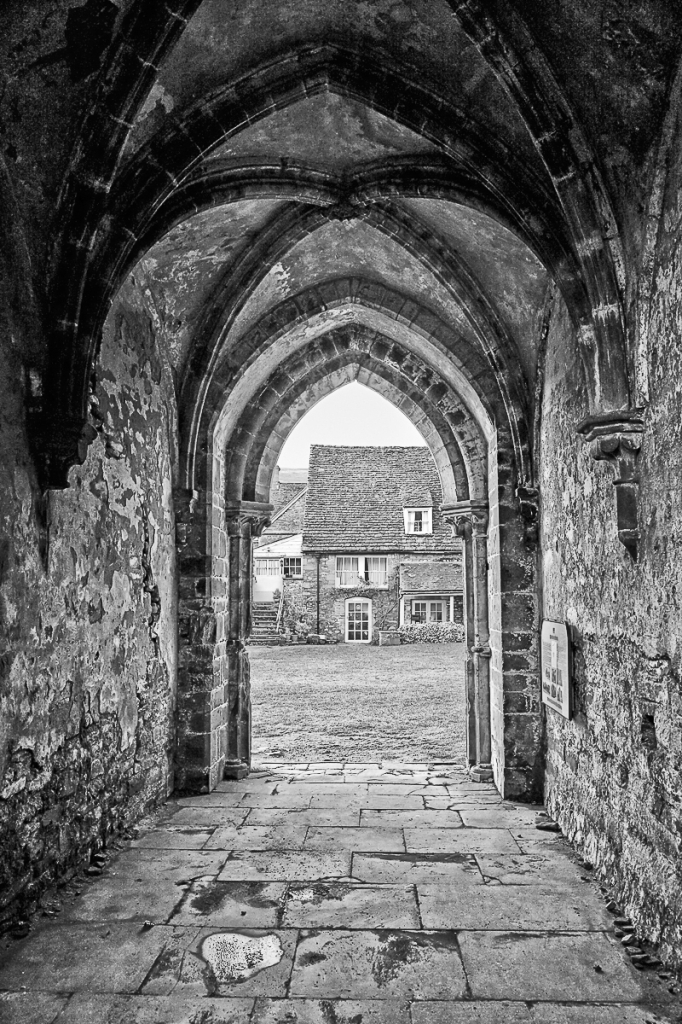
263	620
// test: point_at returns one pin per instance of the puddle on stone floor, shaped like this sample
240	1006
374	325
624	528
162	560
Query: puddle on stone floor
233	957
209	895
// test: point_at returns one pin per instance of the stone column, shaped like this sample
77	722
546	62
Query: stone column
469	521
199	696
244	520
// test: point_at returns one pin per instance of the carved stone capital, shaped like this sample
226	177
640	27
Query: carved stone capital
247	516
467	518
616	438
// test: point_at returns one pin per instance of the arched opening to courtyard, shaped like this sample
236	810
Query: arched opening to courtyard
357	640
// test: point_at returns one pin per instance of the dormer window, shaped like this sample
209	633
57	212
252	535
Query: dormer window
417	520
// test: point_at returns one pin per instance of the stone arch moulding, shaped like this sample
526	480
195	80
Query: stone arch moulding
242	438
615	423
290	325
488	355
81	296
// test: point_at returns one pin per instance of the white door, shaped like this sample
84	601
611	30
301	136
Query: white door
358	620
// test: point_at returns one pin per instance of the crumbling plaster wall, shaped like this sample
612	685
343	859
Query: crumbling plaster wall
613	772
87	617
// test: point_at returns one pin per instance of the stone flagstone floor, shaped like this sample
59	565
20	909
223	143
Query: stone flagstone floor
334	894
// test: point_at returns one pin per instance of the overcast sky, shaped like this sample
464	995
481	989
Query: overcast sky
352	415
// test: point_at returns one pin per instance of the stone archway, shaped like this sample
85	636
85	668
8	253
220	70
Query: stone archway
223	519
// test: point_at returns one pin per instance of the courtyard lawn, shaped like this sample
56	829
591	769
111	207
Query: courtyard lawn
358	703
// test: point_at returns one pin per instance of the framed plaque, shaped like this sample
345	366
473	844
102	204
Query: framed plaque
556	668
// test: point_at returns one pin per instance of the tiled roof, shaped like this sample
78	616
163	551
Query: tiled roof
356	498
289	501
430	577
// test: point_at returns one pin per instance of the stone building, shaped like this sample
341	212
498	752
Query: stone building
370	515
215	212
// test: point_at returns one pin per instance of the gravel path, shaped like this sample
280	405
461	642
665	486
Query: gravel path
353	703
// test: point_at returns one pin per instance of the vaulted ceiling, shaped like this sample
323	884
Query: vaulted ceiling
458	159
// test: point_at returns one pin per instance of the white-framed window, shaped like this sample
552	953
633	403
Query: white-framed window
418	520
291	568
419	611
268	566
429	611
358	620
376	570
436	611
353	570
347	574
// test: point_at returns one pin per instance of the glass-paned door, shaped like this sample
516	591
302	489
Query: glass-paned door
358	621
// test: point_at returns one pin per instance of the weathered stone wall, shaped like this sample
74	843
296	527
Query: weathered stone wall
87	617
613	772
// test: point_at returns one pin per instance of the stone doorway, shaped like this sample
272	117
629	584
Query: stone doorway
216	531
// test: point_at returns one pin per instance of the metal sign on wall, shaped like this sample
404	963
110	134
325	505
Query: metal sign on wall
556	667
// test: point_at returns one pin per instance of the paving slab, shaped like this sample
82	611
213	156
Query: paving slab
411	780
347	789
215	799
367	839
282	765
444	803
505	1012
275	865
534	840
481	789
348	905
234	962
175	1009
141	884
312	780
30	1007
288	798
464	840
378	965
324	1011
406	789
546	869
308	816
406	868
370	818
231	904
171	838
105	957
573	967
501	816
374	800
253	784
510	908
554	1013
258	837
209	817
502	1012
